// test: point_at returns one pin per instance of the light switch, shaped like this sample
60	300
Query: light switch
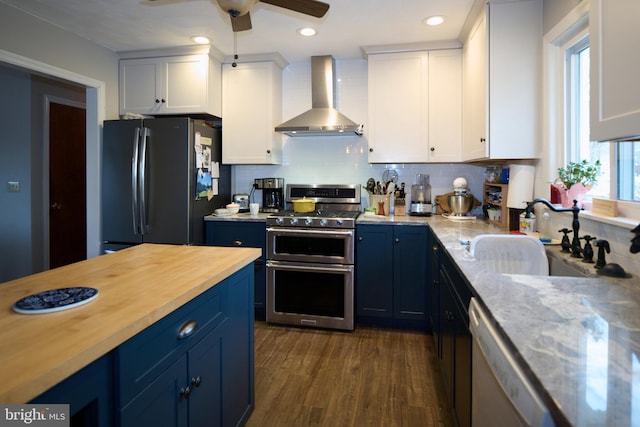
13	186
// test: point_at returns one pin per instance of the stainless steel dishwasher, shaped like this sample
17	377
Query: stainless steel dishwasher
500	393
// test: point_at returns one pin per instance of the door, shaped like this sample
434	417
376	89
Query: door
119	138
67	185
169	181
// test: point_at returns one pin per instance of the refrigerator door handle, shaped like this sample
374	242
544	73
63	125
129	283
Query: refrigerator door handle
143	170
135	214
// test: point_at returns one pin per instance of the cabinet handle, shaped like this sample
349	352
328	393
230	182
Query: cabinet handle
483	140
187	329
237	243
196	381
433	148
184	393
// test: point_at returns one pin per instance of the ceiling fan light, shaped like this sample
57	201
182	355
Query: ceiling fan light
433	20
200	40
307	32
240	7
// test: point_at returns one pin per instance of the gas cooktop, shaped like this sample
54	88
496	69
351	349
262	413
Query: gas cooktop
315	219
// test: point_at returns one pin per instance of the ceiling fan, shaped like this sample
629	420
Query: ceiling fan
238	10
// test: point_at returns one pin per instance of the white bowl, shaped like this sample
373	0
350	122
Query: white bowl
233	208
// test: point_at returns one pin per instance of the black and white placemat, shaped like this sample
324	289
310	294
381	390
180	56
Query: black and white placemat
55	300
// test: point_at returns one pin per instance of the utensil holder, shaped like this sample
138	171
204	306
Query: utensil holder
381	202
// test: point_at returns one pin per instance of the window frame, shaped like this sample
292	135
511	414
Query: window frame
570	31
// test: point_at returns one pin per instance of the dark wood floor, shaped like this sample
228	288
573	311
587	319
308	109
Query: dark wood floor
369	377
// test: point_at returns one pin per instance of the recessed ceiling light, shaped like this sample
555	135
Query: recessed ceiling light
307	32
433	20
200	40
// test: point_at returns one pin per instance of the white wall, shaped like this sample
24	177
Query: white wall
343	159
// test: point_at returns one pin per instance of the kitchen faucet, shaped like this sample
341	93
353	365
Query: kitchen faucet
576	249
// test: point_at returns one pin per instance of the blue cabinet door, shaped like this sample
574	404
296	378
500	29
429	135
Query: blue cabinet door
410	273
374	271
161	403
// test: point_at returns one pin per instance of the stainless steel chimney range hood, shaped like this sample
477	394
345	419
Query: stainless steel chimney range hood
322	119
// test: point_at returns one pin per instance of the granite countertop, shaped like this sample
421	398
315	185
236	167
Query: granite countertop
245	216
578	339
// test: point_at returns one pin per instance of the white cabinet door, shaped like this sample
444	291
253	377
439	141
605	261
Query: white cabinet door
252	107
187	84
398	129
615	59
140	85
445	105
474	87
502	116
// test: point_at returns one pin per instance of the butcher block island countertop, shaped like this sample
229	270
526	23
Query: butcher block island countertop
137	287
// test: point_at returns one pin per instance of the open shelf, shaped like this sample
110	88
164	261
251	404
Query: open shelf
495	196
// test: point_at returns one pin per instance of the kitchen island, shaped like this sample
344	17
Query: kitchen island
139	289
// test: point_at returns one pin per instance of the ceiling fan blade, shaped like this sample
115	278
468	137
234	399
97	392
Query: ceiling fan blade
308	7
241	22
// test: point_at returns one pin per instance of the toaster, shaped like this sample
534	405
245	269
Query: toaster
243	200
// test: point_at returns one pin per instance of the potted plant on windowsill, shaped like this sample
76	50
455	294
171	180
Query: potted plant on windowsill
575	180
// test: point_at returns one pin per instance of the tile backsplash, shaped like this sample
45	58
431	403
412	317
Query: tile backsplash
341	159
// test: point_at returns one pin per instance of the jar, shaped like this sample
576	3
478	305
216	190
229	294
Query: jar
527	225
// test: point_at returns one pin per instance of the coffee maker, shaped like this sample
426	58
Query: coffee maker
272	194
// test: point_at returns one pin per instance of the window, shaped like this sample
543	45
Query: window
568	71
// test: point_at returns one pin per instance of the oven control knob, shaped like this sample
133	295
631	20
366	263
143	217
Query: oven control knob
294	221
279	220
339	222
308	221
324	222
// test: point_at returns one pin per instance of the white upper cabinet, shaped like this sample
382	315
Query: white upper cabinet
615	88
414	106
501	80
180	84
251	108
445	105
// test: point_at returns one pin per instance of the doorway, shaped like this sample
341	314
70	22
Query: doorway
67	184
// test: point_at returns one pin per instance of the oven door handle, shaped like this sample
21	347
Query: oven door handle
333	268
303	231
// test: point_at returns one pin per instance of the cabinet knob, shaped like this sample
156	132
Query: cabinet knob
163	101
184	393
157	101
371	150
433	149
196	381
483	140
236	243
434	249
435	283
360	239
397	240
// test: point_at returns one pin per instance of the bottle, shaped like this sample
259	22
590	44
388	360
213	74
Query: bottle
545	228
527	225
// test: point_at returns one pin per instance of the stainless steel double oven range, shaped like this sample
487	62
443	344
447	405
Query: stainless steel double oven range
310	258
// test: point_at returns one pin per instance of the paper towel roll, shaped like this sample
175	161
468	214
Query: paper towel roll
520	185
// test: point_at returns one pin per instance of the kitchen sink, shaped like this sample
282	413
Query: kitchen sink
519	254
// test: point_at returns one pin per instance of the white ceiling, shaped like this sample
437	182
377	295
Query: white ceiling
124	25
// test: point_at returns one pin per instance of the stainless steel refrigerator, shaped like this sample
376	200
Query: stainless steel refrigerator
160	177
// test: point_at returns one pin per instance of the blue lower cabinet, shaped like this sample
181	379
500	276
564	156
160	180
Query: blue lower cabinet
251	234
392	264
88	392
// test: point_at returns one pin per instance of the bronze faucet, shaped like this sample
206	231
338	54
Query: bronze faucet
576	248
